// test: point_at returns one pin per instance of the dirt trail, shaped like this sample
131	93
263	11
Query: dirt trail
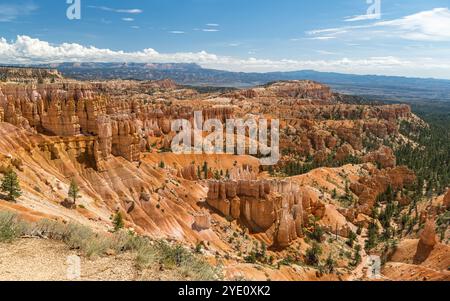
46	260
361	271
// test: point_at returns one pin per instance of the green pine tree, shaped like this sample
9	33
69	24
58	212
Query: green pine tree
162	165
334	193
10	185
205	169
74	191
372	236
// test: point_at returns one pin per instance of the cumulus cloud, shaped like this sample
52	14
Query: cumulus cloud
10	12
177	32
27	50
430	25
128	19
30	50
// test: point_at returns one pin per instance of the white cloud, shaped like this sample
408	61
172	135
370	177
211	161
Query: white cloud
210	30
128	19
177	32
325	52
10	12
323	38
335	31
27	50
124	11
212	25
431	25
363	17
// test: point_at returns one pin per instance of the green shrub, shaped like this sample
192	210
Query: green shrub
330	264
146	256
10	227
313	254
118	222
181	259
351	239
317	233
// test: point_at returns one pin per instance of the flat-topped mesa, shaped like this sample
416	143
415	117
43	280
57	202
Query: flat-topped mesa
265	206
163	84
119	86
28	75
300	89
342	111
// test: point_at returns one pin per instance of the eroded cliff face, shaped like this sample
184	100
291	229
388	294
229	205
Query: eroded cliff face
369	187
315	121
29	75
282	208
114	137
127	122
384	157
123	127
99	124
152	200
265	206
289	89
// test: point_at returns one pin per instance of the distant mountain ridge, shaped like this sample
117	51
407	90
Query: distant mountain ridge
393	88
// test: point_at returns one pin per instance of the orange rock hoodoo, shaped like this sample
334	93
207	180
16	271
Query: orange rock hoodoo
278	208
122	127
88	129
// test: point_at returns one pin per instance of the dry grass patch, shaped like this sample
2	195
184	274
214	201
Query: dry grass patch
149	254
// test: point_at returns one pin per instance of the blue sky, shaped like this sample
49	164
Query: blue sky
411	37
